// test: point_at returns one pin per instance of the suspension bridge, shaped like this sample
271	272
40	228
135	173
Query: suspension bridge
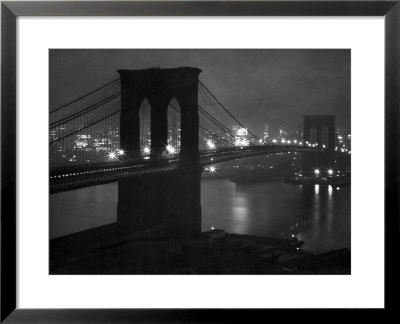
96	139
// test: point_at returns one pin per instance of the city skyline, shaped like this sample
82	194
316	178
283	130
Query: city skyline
105	144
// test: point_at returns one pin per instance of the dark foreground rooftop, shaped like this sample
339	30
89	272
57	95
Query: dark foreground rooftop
213	252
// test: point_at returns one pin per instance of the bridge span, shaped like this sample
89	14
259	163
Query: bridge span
81	176
160	112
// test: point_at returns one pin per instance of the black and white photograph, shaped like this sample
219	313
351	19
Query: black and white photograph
199	161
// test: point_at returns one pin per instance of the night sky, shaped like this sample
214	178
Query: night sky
258	86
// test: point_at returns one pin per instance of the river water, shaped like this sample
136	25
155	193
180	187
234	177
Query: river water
318	215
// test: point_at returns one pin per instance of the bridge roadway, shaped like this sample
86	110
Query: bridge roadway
80	176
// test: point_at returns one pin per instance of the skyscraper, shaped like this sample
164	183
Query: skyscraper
266	132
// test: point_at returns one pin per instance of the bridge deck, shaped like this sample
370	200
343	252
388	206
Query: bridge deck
81	176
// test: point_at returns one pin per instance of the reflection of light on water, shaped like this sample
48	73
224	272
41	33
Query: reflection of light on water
274	207
329	209
316	212
240	213
240	207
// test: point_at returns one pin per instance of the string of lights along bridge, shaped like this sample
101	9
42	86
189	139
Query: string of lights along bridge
84	138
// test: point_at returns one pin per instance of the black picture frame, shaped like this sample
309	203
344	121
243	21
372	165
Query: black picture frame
10	10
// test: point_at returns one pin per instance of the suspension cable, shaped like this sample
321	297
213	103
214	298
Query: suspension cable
84	96
225	109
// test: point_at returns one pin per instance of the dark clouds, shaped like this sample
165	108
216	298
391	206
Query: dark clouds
259	86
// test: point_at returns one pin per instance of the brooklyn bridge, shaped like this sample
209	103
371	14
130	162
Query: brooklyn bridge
154	131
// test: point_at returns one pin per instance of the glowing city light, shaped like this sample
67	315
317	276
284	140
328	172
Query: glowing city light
242	131
121	152
330	171
241	142
112	156
210	144
146	150
283	141
274	140
212	169
170	149
317	171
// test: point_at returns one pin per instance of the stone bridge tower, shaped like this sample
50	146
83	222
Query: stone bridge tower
319	122
170	198
324	158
